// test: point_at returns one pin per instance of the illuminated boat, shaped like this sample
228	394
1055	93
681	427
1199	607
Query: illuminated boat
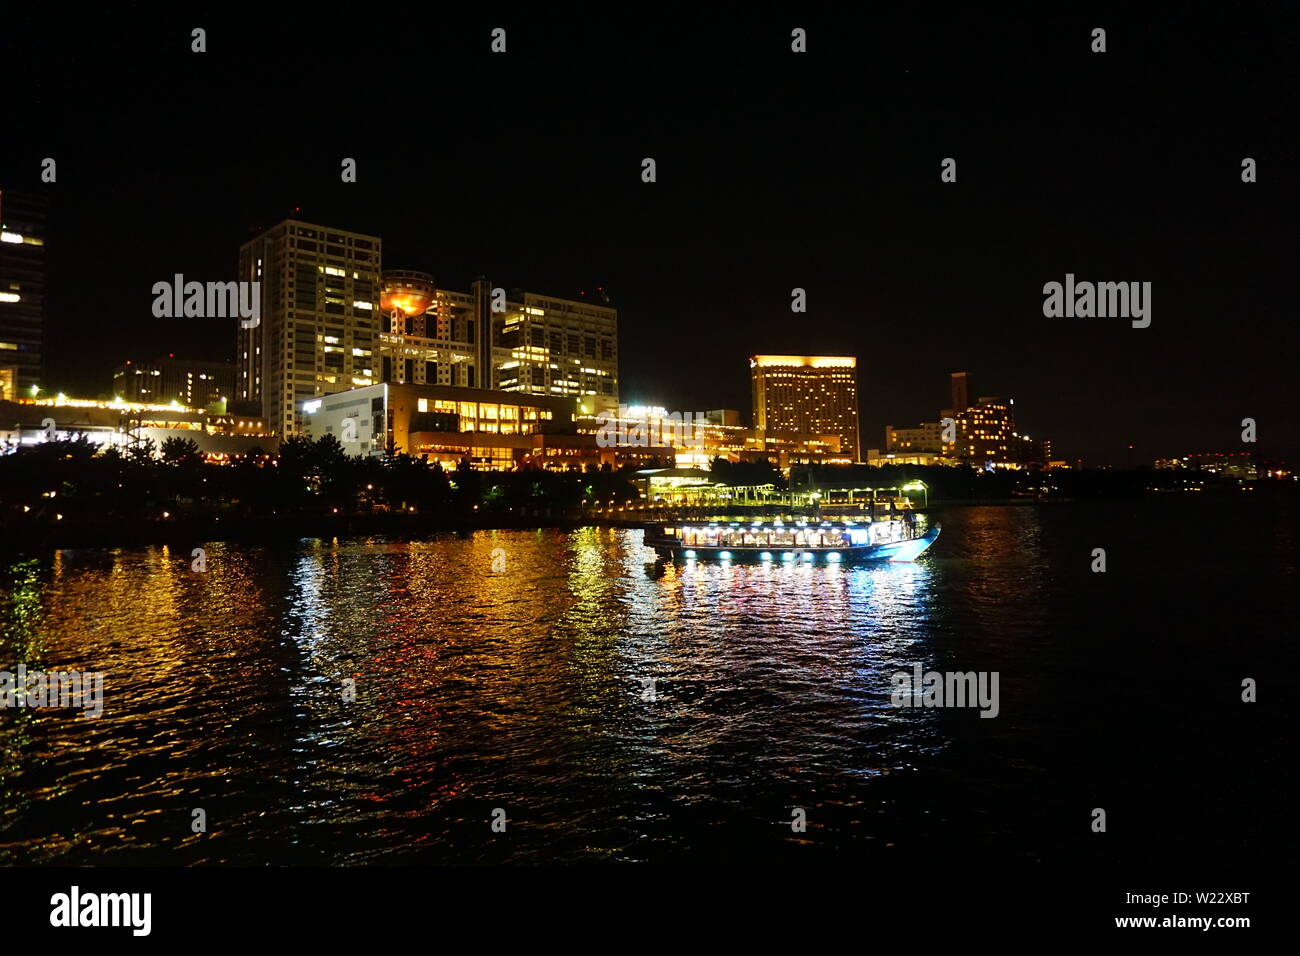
812	541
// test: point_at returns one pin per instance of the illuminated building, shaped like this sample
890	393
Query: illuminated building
542	345
428	334
193	383
799	396
1231	464
538	344
984	433
444	423
695	439
925	438
22	290
876	457
121	424
319	318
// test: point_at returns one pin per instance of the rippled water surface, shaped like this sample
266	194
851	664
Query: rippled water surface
526	689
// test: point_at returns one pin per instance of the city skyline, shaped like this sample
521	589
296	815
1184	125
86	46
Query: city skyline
701	263
458	303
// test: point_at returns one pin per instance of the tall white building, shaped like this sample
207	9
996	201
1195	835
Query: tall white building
319	322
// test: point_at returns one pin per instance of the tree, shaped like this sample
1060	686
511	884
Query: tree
177	450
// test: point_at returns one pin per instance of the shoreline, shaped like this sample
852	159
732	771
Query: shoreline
193	531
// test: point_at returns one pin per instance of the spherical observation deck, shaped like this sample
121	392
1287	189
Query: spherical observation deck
410	293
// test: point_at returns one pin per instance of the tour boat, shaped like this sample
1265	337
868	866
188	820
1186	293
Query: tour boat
808	542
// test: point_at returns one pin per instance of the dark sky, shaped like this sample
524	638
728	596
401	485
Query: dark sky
775	170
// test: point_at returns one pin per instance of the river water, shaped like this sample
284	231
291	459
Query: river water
608	714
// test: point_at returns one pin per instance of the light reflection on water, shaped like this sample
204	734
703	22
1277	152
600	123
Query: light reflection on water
523	689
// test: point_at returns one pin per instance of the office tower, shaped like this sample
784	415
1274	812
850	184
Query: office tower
192	382
543	345
535	344
22	289
807	395
960	392
319	323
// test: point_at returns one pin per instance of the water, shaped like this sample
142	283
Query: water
523	690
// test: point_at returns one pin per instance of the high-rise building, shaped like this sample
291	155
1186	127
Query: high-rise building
22	289
192	382
985	433
543	345
960	392
807	395
534	344
319	318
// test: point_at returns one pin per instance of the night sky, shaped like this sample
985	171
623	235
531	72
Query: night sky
775	170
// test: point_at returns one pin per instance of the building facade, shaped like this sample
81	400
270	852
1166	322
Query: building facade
543	345
193	383
925	438
493	429
320	319
429	335
807	395
534	344
985	433
22	291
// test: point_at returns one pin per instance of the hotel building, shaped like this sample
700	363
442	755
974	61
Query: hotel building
985	432
806	395
22	292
